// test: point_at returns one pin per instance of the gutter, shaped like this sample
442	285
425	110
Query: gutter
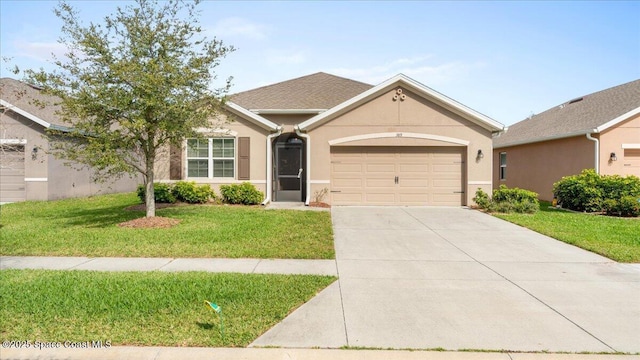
596	159
307	139
269	190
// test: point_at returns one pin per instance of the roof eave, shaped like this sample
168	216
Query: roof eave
255	118
546	138
618	120
448	103
25	113
287	111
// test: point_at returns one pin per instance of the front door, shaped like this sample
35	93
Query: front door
289	172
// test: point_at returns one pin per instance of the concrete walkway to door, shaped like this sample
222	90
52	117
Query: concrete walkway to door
453	278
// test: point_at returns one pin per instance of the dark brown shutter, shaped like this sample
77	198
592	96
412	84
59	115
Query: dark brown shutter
175	163
243	158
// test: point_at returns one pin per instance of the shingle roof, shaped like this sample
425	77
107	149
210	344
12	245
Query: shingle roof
578	116
30	99
315	91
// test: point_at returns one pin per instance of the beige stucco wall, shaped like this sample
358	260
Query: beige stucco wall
611	140
537	166
234	127
48	178
17	127
413	115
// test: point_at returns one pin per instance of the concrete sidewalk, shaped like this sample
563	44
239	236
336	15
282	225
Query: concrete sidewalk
172	353
245	266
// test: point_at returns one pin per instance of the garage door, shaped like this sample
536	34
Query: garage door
12	186
397	176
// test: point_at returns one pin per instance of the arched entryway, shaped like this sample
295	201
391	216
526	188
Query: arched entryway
289	168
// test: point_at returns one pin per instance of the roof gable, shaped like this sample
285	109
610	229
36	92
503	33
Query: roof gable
591	113
30	102
312	93
416	87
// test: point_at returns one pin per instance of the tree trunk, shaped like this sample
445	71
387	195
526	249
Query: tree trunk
150	200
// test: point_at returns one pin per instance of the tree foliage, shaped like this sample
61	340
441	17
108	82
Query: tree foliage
133	85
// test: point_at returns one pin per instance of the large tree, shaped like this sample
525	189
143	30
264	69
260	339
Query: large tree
132	86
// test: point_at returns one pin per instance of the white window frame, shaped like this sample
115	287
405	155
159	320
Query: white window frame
503	166
211	159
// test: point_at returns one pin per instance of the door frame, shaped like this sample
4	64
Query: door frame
289	140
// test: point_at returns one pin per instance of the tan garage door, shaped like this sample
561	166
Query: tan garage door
397	176
12	186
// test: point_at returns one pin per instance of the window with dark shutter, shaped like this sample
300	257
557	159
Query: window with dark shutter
243	158
175	163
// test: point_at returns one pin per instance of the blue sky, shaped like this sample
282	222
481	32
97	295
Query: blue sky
505	59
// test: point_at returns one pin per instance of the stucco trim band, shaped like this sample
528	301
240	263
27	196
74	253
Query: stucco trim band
631	146
320	182
36	179
13	141
399	135
489	182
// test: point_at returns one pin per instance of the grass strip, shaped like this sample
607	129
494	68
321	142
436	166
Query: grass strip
147	309
615	238
88	227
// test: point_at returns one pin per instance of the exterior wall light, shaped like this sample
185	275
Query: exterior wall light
480	154
613	157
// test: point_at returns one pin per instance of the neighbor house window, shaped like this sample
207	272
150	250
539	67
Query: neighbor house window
503	166
209	158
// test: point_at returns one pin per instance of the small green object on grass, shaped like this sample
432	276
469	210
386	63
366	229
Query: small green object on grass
218	311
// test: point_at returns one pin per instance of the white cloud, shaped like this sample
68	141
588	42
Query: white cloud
279	57
236	26
418	68
40	51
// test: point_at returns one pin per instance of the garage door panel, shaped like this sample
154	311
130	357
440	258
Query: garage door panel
426	176
383	198
12	183
347	198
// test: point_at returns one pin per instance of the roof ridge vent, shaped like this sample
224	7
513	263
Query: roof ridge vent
576	100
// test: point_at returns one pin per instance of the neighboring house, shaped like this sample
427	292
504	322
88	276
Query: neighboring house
396	143
27	172
598	131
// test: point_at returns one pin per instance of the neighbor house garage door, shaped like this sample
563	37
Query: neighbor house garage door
12	185
397	176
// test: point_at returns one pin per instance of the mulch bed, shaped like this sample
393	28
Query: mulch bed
156	222
319	204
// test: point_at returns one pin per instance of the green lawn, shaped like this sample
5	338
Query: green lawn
159	309
88	227
615	238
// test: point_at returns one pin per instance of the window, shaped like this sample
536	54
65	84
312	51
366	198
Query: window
209	158
503	166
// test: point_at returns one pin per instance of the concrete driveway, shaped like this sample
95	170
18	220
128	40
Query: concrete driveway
453	278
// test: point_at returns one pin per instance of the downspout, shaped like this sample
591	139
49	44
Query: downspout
267	197
307	139
597	150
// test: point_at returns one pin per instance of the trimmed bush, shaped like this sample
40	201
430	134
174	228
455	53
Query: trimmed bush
161	192
628	206
191	193
482	199
514	195
245	193
507	200
591	192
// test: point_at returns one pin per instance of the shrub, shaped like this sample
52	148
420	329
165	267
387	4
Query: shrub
507	200
625	206
191	193
515	195
245	193
482	199
161	192
592	192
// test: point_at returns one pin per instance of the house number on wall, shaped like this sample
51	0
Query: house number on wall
398	134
